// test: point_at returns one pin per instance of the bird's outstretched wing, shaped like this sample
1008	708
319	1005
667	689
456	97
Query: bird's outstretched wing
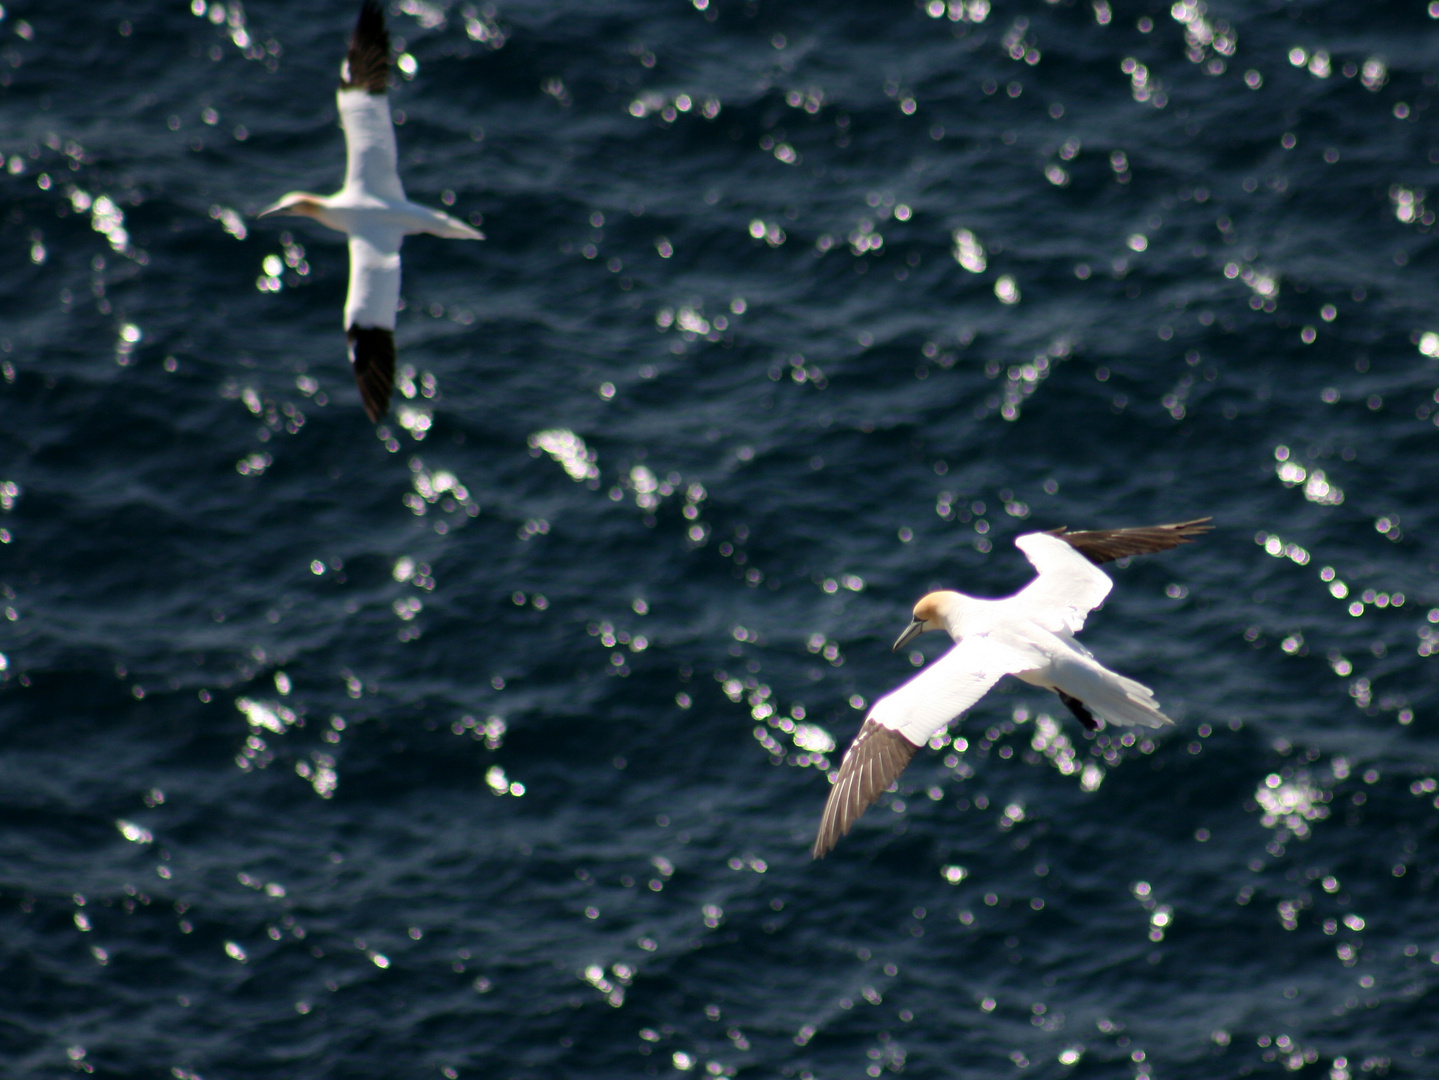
1105	545
903	720
374	292
370	155
1067	589
367	64
372	355
370	317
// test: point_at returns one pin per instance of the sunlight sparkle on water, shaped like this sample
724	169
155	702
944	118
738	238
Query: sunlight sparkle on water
232	18
321	775
500	784
130	336
109	220
253	464
1317	488
1409	205
416	420
968	251
1141	86
136	834
975	11
1049	739
1202	38
1274	545
440	488
814	738
567	448
1291	804
265	715
230	221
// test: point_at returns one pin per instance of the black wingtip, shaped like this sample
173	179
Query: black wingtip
1105	545
367	64
372	355
370	25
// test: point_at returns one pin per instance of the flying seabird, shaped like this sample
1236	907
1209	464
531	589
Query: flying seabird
372	209
1029	634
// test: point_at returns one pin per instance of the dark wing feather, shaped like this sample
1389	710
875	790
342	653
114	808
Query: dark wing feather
367	64
1104	545
873	761
372	354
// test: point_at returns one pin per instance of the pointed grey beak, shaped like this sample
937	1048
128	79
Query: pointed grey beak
273	208
912	631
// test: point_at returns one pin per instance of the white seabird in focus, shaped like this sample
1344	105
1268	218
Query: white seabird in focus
372	209
1029	634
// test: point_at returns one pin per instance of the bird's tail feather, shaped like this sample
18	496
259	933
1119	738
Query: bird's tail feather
454	229
437	223
1109	695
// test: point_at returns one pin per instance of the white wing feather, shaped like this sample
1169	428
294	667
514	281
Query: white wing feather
374	279
1067	589
371	160
950	685
904	719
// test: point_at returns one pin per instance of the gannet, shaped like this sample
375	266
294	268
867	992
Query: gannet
372	209
1029	634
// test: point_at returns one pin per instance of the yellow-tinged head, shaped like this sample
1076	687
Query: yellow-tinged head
929	614
296	202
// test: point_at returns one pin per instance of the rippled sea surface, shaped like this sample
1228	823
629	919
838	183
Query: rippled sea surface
491	742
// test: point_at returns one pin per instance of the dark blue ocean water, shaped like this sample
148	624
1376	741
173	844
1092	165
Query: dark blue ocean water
466	747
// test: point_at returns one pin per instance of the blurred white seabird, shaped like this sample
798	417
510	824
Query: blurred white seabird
372	209
1029	634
